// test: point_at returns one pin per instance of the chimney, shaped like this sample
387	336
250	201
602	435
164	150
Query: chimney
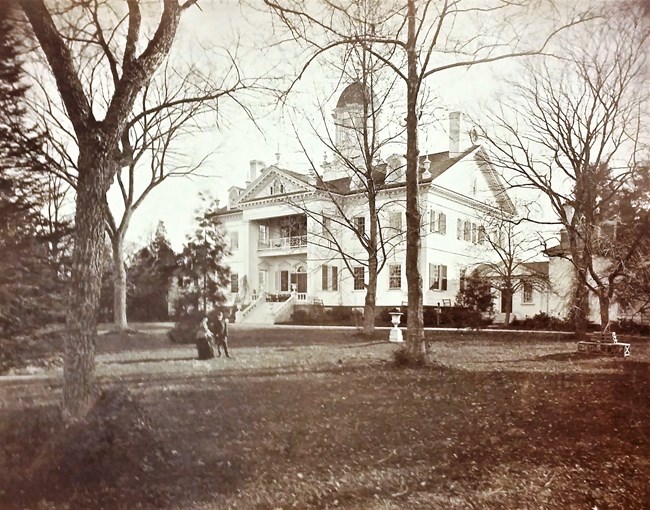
256	167
455	119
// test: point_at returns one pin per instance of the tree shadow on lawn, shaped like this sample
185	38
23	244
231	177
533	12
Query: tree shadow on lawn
264	441
528	422
134	361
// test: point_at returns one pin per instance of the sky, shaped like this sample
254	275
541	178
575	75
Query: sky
240	140
213	28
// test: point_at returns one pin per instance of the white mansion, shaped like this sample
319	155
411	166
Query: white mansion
286	244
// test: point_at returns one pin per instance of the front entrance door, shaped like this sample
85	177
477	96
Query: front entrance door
299	279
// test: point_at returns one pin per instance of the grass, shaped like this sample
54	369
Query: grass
304	418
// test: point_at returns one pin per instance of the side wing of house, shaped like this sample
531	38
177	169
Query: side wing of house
459	204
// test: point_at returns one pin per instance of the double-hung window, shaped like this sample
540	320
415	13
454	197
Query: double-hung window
395	276
438	222
395	222
234	283
527	292
234	240
437	277
329	277
359	277
360	225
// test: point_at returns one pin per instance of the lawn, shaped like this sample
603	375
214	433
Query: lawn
304	418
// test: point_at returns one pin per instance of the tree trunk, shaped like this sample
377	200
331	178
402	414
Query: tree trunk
370	307
580	310
414	319
89	235
119	284
603	302
508	301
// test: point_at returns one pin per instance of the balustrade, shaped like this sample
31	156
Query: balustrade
282	243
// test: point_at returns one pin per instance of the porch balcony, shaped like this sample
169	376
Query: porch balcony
282	245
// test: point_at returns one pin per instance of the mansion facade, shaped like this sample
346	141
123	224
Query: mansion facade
298	238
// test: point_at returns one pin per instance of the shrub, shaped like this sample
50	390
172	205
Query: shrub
301	317
339	315
542	322
631	327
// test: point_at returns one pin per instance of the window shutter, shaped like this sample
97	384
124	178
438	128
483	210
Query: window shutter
443	277
443	224
324	285
335	278
459	228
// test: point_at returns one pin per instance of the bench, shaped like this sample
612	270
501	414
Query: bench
317	301
604	343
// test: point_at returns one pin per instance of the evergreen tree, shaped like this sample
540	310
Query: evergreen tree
201	273
476	294
30	280
150	275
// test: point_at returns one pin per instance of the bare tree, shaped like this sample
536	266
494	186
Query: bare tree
510	253
157	134
356	181
131	52
571	132
419	40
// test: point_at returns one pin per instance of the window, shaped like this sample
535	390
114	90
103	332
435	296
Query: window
326	223
474	233
264	232
276	188
527	292
330	277
359	278
284	281
437	277
467	231
395	276
395	221
498	238
481	234
234	283
438	222
234	240
360	225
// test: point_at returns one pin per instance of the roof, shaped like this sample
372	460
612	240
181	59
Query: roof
355	93
539	268
440	163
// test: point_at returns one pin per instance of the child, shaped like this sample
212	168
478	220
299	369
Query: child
220	330
205	341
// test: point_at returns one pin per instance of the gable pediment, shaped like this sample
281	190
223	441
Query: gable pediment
274	183
474	177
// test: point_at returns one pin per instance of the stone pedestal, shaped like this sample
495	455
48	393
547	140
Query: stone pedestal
395	333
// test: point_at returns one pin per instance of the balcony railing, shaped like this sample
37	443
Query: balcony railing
282	243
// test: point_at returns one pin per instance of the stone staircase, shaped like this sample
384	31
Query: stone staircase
265	312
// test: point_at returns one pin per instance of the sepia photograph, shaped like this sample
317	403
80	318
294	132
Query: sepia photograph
325	254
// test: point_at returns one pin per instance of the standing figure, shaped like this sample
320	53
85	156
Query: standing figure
220	330
204	340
